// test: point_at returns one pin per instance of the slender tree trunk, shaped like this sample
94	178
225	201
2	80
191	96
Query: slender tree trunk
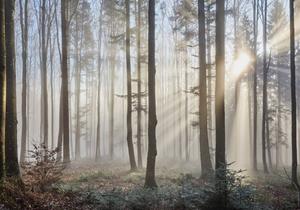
220	104
77	91
265	94
24	32
255	87
206	165
139	88
65	82
98	134
129	91
44	92
293	96
152	120
11	148
2	88
186	115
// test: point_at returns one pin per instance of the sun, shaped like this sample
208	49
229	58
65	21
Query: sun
241	64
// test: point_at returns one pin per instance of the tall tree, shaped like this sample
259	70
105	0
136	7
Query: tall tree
2	87
129	90
293	95
255	86
11	155
98	151
152	120
206	165
265	78
24	32
64	77
139	86
220	91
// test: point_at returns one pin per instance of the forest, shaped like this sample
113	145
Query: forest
149	104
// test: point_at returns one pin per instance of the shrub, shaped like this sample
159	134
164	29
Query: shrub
43	169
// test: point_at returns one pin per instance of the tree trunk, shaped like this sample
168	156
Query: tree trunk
265	94
152	120
64	86
98	140
293	96
206	165
255	87
2	88
220	104
44	93
129	91
11	148
139	88
24	32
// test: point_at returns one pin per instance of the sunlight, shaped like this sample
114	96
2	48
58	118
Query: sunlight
241	64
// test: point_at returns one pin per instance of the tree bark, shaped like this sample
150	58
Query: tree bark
24	32
2	88
293	96
129	91
64	86
265	94
152	120
206	165
11	148
139	88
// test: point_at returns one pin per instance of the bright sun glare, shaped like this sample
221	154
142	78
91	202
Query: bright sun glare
241	64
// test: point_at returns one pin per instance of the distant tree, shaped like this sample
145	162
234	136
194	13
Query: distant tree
2	88
100	35
24	32
11	155
206	165
152	120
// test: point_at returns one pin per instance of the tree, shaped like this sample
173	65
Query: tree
265	80
64	77
206	165
11	155
255	86
2	88
293	95
220	91
139	86
129	91
98	151
152	120
24	31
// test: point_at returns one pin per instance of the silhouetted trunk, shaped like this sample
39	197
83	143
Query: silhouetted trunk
152	120
220	104
206	165
2	88
64	83
44	93
11	155
265	94
293	96
24	32
139	87
129	91
255	86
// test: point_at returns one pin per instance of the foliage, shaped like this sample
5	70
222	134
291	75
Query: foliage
42	170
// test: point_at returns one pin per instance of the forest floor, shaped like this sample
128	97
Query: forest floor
87	185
